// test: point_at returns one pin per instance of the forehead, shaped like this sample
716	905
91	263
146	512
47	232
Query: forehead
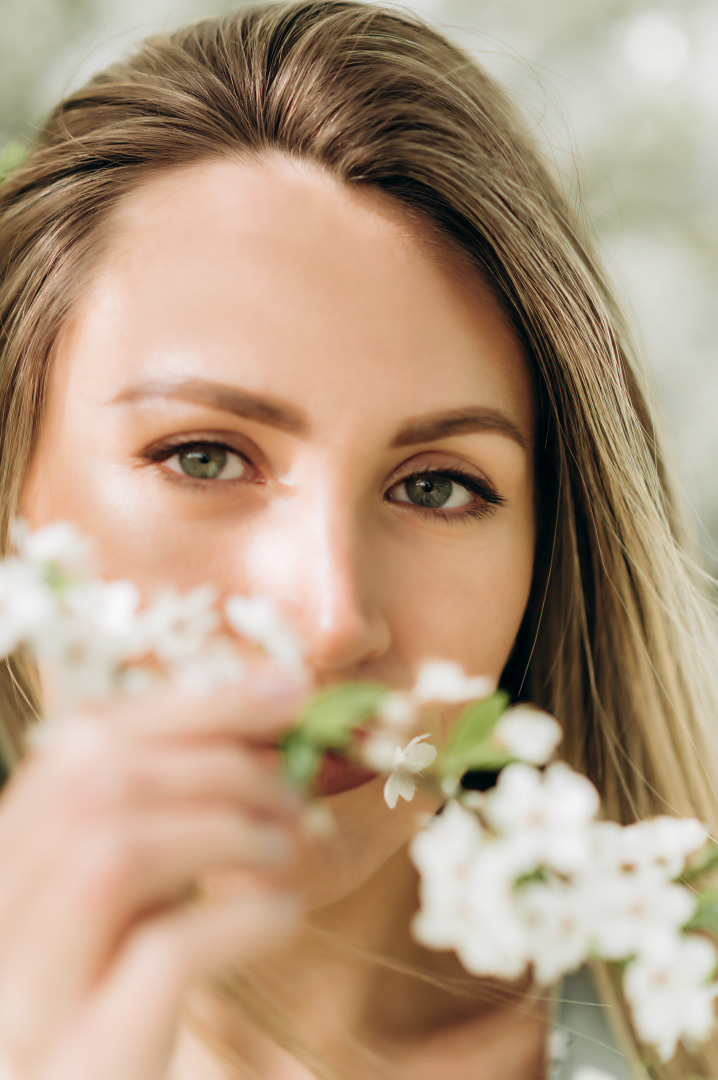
273	270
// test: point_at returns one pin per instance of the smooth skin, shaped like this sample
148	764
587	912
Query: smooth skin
262	372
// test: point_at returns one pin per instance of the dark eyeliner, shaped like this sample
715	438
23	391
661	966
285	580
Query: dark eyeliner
167	448
491	500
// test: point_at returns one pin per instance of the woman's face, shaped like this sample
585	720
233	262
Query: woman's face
264	371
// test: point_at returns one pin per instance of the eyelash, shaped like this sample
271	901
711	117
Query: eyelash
491	500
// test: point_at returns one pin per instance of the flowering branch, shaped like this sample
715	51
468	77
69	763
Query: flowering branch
524	877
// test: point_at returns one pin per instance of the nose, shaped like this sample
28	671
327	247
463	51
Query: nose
320	567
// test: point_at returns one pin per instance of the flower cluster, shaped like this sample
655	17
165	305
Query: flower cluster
95	638
525	876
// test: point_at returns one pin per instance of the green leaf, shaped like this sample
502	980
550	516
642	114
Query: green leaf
300	759
469	745
330	717
706	914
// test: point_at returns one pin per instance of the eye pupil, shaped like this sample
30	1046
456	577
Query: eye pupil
203	462
425	491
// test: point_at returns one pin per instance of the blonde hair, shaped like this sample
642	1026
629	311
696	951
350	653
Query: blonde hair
619	638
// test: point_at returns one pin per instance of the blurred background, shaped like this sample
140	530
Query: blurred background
623	94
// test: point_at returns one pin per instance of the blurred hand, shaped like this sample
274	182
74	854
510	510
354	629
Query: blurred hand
105	829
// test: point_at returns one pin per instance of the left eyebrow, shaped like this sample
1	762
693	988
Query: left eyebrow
459	422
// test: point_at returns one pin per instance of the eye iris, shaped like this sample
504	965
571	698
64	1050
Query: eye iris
429	491
203	462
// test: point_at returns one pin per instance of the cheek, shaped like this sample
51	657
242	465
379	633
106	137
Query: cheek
470	607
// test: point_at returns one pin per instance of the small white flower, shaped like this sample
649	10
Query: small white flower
139	680
662	843
632	913
559	1042
177	625
407	764
93	633
379	750
110	610
493	938
59	543
551	810
259	620
442	853
216	664
397	710
669	994
27	604
559	934
528	734
467	893
445	680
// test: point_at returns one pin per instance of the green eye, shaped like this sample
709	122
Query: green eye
203	462
434	491
207	461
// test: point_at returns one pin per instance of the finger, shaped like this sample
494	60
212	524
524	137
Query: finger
143	992
164	717
221	771
98	889
85	787
259	709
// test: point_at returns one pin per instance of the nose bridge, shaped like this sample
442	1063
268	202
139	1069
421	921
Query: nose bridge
322	571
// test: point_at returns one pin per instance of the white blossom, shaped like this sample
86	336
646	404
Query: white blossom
378	750
494	938
27	604
92	634
445	680
218	663
407	764
443	852
559	1042
559	932
397	710
662	842
177	625
528	734
632	913
669	994
551	810
60	543
466	891
258	619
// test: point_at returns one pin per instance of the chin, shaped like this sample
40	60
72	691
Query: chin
366	833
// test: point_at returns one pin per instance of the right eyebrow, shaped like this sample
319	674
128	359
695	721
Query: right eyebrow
265	410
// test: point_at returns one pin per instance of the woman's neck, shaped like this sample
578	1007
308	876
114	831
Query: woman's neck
354	977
